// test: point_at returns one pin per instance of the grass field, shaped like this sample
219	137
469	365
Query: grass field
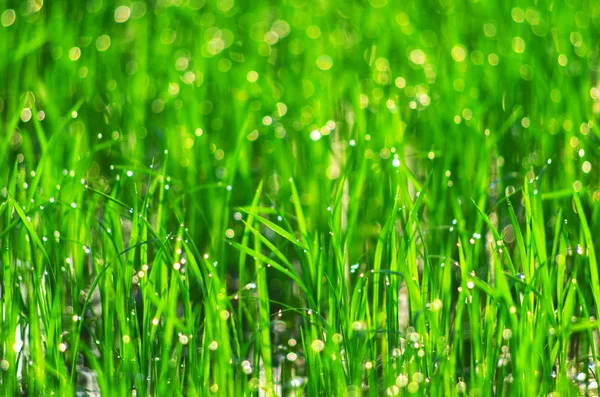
318	198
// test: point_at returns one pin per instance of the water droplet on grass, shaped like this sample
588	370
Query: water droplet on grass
122	14
402	380
413	387
8	17
317	345
324	62
417	56
26	115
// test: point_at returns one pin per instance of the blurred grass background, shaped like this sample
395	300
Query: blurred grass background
299	198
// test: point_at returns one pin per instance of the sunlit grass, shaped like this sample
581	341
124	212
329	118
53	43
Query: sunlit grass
299	198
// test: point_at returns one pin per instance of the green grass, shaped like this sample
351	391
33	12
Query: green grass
299	198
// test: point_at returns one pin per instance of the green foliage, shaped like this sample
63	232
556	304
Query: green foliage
299	198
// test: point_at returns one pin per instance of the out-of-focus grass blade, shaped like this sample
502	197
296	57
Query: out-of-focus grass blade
29	226
269	261
593	264
279	230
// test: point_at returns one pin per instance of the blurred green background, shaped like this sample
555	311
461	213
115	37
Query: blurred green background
176	111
